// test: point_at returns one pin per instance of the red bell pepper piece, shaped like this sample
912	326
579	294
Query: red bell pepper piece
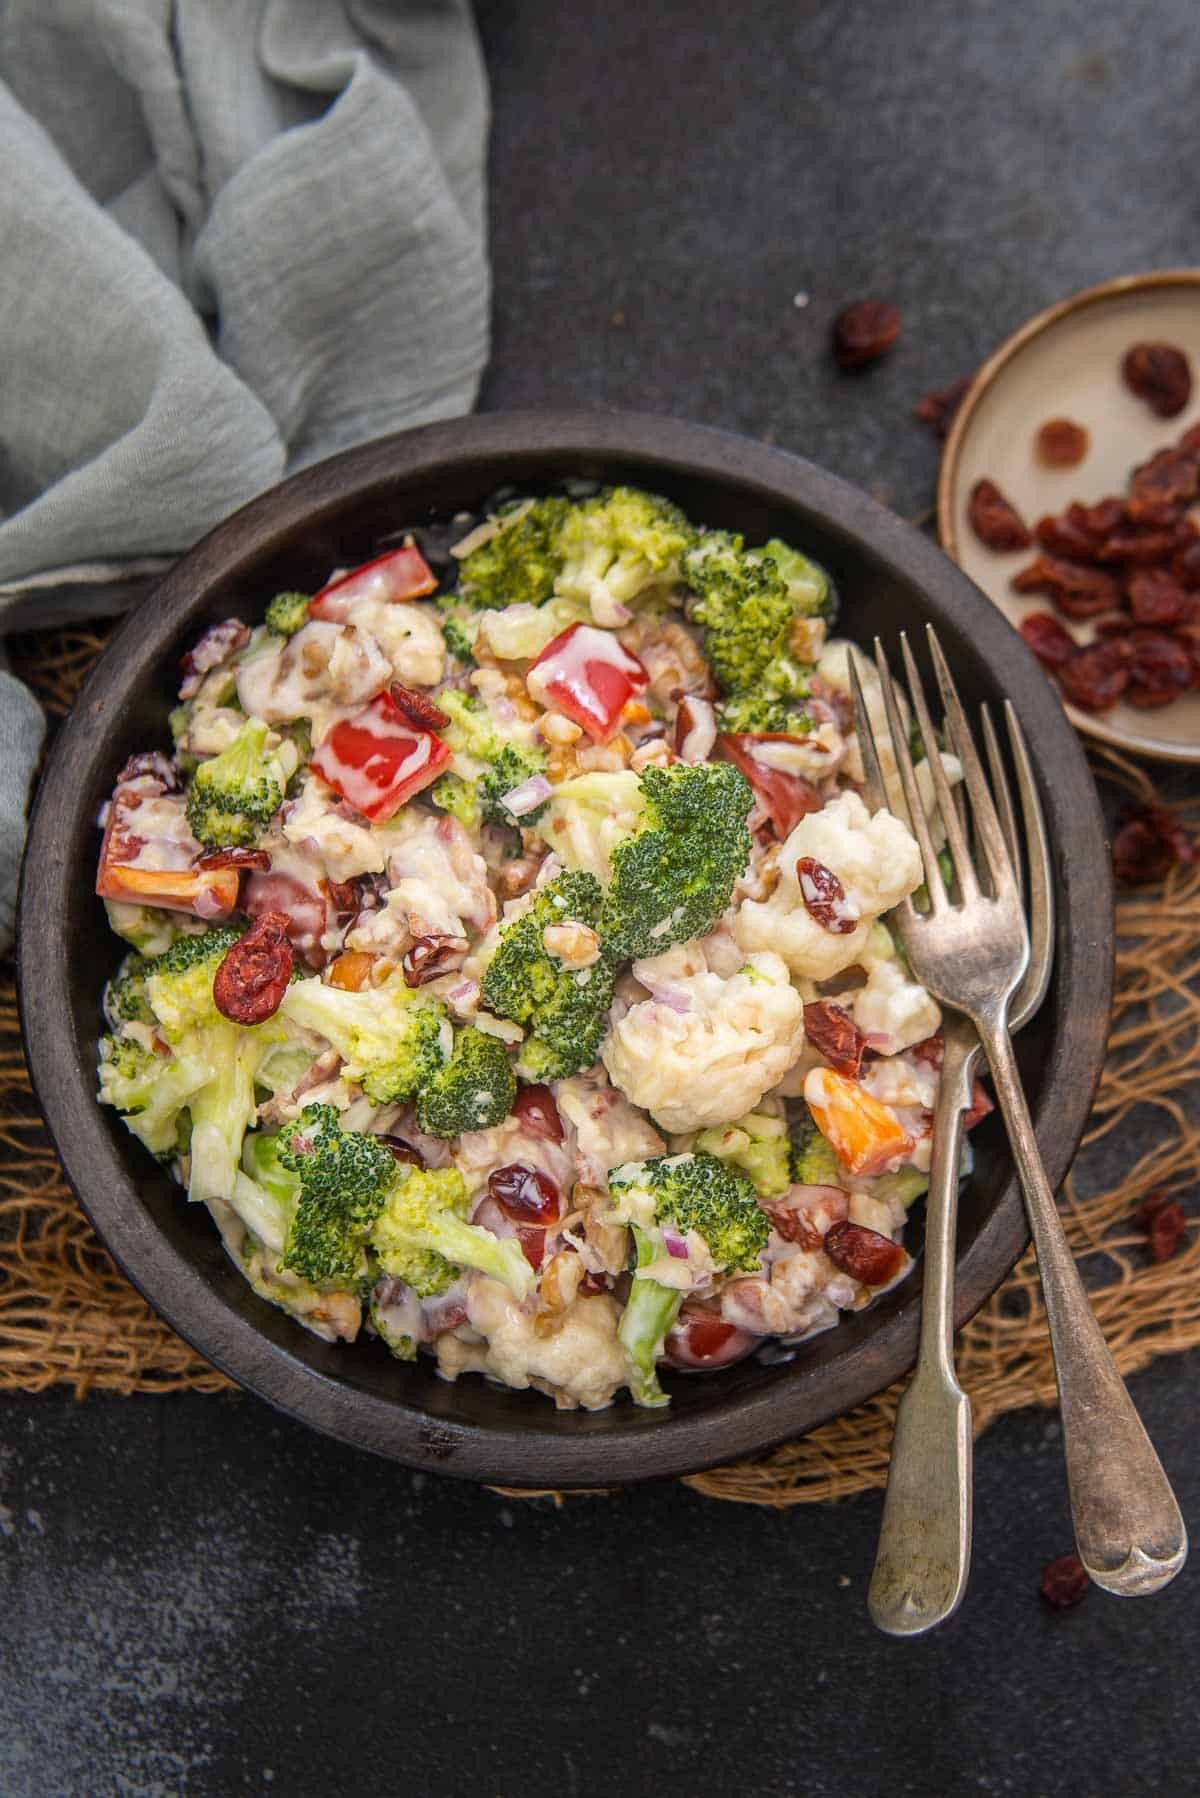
400	574
206	892
378	759
786	798
589	675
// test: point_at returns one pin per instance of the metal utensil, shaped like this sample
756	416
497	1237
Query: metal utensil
971	953
924	1551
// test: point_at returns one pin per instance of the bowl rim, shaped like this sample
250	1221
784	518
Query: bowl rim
650	1445
1160	749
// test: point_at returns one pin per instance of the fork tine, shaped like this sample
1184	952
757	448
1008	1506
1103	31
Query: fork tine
987	825
1003	793
908	780
964	868
873	776
1036	978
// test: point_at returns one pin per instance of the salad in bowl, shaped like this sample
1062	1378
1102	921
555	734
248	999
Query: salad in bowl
508	965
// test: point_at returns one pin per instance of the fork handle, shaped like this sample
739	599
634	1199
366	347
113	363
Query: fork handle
924	1551
1128	1528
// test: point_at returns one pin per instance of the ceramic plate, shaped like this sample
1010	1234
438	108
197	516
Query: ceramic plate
1066	363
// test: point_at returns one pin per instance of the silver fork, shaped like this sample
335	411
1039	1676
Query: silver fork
924	1551
972	955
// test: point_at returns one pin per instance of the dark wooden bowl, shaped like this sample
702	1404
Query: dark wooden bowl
890	577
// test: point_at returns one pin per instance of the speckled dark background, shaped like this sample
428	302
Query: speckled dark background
198	1597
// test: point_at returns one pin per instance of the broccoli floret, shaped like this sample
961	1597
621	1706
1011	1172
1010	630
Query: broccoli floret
286	613
390	1042
178	983
146	929
494	764
451	793
673	877
459	636
233	796
564	1009
758	712
474	1090
344	1180
813	1159
746	605
520	563
390	1332
421	1235
810	589
152	1091
695	1192
756	1144
125	1000
620	545
690	1193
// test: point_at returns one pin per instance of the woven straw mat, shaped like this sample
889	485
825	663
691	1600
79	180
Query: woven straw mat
67	1317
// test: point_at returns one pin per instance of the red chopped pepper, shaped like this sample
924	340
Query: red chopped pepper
378	759
589	675
401	574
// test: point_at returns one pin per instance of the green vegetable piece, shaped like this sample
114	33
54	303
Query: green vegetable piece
649	1313
421	1235
345	1176
813	1160
756	1145
695	1192
233	796
286	613
519	564
622	545
563	1009
391	1042
474	1090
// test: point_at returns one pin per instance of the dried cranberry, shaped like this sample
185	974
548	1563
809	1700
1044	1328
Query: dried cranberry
155	766
1050	642
429	957
1162	487
249	985
1162	1220
403	1150
981	1106
1064	536
1137	546
864	331
1186	566
217	644
345	896
525	1193
234	858
832	1032
1159	374
418	708
995	520
1155	597
1064	1582
702	1340
1096	678
1160	670
1079	592
863	1254
1061	443
937	408
1148	844
931	1051
538	1114
825	897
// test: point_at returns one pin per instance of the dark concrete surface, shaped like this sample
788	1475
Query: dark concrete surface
198	1597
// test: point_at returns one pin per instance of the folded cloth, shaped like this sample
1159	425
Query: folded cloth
238	235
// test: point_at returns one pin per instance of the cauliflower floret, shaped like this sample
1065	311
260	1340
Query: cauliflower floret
579	1363
833	668
323	672
344	848
877	862
438	876
703	1050
408	635
892	1011
608	1129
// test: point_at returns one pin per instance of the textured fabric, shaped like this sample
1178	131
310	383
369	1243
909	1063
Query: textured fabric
238	235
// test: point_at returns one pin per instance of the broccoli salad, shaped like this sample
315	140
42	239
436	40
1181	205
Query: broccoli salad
508	963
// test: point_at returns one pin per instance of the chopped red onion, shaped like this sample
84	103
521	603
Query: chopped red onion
528	796
674	1243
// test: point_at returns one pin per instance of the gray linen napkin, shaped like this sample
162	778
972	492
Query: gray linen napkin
238	235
